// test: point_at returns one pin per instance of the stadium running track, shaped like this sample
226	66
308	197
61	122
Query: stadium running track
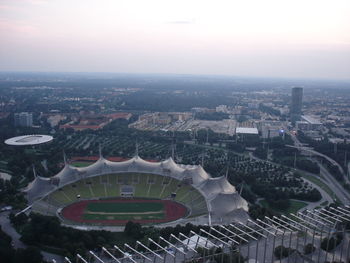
75	211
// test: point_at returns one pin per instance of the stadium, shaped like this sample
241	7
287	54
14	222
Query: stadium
26	140
107	194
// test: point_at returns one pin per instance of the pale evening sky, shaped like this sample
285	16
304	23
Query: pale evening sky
272	38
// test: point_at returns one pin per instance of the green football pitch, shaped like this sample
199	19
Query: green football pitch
124	211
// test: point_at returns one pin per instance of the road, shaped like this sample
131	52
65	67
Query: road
8	229
311	205
17	243
300	146
313	152
338	189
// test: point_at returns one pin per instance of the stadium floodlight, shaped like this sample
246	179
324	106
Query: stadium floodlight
275	236
344	210
325	217
172	245
348	252
162	248
149	250
222	234
234	234
329	214
265	245
214	237
95	256
186	238
278	224
126	255
182	242
244	232
338	215
277	219
136	252
196	243
295	222
206	240
262	228
110	254
81	258
305	221
67	260
252	229
268	225
257	242
342	213
291	232
320	219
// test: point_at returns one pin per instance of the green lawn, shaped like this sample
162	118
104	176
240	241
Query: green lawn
324	203
81	164
293	208
111	207
124	211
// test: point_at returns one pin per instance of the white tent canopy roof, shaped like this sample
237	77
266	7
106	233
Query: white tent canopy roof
221	197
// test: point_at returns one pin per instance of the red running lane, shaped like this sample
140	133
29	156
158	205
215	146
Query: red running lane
74	212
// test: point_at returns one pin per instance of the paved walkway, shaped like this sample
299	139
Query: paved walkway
17	243
8	229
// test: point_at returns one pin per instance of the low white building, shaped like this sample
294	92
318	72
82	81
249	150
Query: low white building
308	123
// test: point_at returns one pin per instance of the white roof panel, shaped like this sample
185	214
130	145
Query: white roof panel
29	140
243	130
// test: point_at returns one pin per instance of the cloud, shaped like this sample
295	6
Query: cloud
3	7
17	27
11	2
37	2
182	22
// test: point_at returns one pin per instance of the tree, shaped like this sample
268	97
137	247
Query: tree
21	219
309	248
331	243
28	255
6	251
235	257
133	229
282	252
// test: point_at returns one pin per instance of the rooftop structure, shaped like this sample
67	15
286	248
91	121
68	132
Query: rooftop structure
94	121
244	130
308	123
270	129
313	236
223	202
310	119
29	140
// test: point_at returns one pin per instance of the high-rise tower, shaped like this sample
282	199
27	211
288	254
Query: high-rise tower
296	104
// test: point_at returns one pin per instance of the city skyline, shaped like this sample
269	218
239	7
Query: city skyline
144	157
